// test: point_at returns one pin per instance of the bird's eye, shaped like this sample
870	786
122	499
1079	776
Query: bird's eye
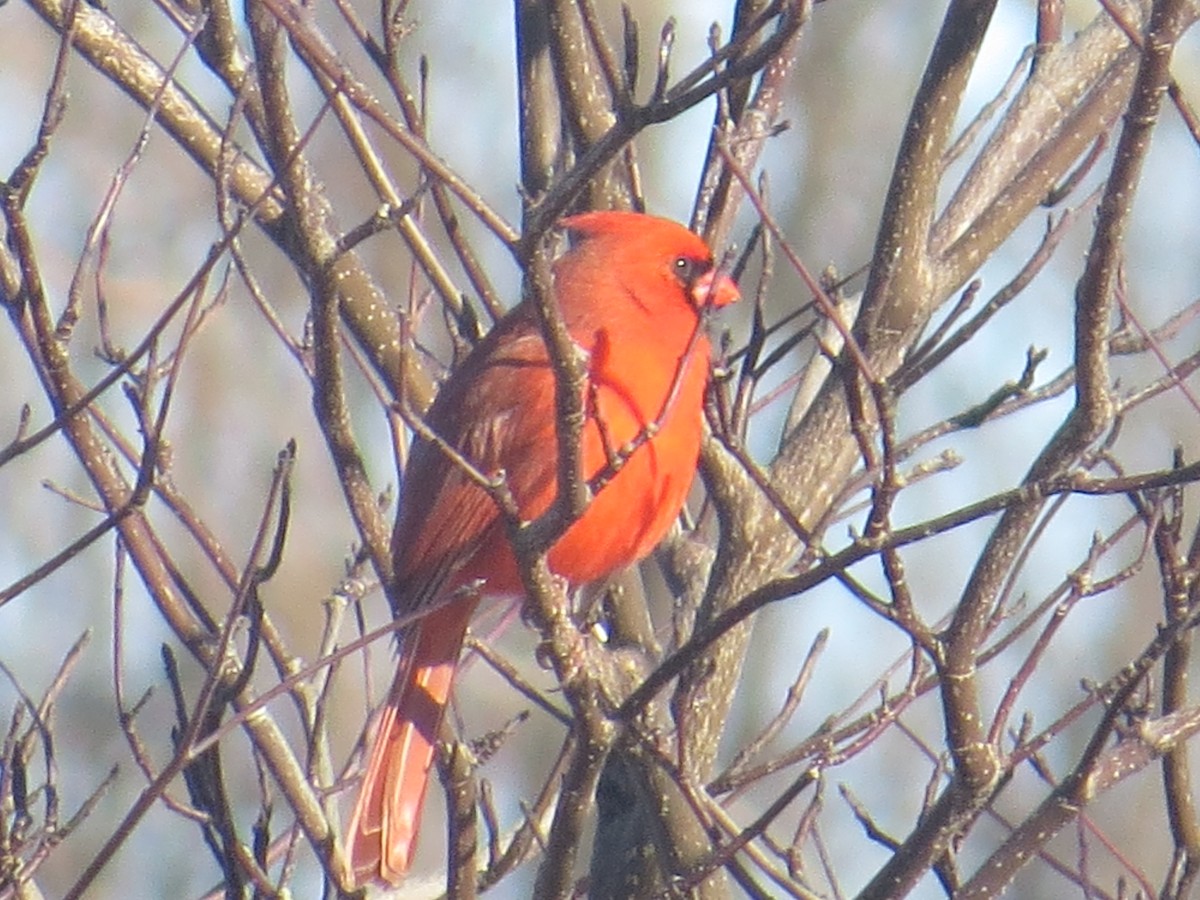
688	269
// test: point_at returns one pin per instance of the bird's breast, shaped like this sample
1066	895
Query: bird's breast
640	443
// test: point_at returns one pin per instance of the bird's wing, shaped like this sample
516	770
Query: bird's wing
498	416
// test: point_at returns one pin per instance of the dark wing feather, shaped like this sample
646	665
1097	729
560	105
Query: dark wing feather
497	411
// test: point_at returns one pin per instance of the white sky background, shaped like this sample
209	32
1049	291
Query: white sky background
861	61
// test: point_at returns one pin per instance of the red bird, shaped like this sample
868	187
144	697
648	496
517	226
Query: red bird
630	292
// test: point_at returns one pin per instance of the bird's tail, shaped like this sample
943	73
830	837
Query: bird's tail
383	829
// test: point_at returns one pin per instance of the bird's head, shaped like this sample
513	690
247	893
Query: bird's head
658	258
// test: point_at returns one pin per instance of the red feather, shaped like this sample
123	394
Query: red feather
630	292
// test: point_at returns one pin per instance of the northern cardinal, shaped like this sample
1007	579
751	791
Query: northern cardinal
630	292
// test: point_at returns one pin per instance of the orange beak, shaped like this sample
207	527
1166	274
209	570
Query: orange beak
714	289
